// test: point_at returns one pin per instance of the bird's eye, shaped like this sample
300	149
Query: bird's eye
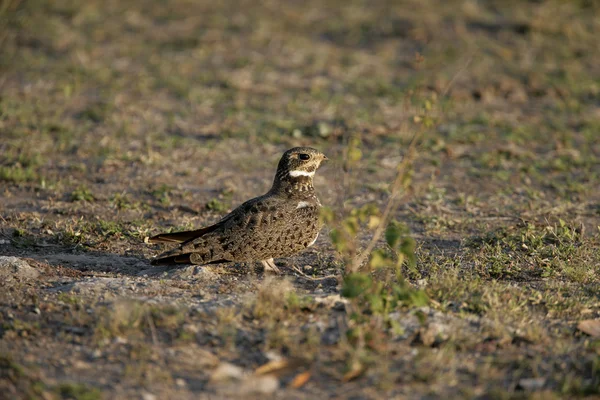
304	156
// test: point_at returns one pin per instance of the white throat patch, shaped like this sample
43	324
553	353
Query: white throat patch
297	173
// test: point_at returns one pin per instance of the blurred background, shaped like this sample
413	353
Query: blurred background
123	118
113	81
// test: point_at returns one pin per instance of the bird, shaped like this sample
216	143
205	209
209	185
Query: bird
280	223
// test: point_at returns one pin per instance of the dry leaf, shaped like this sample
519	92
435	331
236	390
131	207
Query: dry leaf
300	380
356	370
590	326
272	366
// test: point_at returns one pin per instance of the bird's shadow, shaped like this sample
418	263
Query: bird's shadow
88	261
76	260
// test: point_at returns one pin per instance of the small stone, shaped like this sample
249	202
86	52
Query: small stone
148	396
78	364
226	371
532	383
324	129
120	340
36	310
296	133
191	328
273	356
260	385
180	382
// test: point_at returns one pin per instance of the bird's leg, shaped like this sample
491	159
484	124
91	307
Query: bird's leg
270	266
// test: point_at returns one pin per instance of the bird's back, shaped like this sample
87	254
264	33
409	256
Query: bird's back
262	228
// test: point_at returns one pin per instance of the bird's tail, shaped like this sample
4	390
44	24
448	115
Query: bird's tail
179	237
172	260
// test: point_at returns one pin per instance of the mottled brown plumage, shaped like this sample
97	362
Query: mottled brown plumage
279	223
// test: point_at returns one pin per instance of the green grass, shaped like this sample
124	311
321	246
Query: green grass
82	193
122	120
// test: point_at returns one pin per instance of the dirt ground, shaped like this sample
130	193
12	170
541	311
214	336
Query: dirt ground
123	119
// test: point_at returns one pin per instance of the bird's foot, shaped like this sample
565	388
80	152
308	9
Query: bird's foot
270	267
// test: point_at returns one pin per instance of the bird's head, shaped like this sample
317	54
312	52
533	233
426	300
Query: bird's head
298	166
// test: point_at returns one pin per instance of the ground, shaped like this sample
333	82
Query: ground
123	119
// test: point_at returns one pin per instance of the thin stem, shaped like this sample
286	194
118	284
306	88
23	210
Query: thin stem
396	188
303	275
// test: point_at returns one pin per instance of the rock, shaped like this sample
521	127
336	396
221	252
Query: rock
590	326
14	269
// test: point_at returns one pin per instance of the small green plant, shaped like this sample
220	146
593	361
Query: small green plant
109	228
372	279
381	298
17	174
402	246
78	391
216	205
345	230
220	203
163	194
82	193
121	201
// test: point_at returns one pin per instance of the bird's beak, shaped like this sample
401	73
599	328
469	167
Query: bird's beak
325	158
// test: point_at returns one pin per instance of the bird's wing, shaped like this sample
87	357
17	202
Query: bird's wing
201	240
186	236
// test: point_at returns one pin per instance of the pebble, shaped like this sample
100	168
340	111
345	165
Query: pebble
226	371
532	383
148	396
